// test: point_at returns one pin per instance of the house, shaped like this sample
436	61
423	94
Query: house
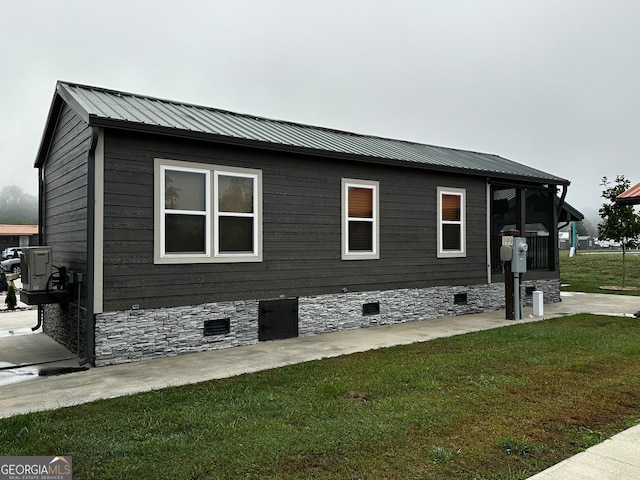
187	228
18	236
564	240
586	242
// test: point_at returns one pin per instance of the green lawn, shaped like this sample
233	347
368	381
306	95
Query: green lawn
498	404
587	272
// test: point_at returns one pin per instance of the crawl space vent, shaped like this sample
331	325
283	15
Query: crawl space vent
460	299
221	326
372	308
528	291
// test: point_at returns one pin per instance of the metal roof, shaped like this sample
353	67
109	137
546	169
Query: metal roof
18	230
630	197
569	214
113	109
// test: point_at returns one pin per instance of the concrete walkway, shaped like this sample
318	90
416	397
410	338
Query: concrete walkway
617	458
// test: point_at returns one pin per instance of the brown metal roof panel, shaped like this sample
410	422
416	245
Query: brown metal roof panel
630	197
17	230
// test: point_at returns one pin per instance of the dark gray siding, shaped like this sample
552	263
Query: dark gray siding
301	229
65	192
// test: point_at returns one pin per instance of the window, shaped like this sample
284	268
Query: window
207	213
235	213
451	222
360	232
185	218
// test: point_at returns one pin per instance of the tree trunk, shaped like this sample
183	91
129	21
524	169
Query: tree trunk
624	266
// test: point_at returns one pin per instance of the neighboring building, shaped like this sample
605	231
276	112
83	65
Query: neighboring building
567	236
564	240
195	228
586	242
630	197
18	236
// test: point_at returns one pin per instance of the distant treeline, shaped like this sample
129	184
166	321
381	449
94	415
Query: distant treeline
17	207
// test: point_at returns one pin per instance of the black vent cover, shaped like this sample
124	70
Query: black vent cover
460	299
372	308
221	326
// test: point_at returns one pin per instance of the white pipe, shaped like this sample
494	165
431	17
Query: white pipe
516	295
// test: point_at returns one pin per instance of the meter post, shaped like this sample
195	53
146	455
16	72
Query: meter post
506	256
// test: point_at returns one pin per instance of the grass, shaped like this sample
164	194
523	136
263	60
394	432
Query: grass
501	404
588	272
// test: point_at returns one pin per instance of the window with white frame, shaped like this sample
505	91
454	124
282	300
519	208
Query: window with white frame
360	229
207	213
451	222
235	213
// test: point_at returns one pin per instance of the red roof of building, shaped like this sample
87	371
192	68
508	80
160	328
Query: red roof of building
630	197
18	230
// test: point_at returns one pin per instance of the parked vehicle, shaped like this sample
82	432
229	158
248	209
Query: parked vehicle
11	252
11	265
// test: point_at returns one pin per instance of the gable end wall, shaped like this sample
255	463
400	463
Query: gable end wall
64	201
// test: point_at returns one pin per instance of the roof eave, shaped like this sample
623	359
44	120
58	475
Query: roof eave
49	130
628	201
103	122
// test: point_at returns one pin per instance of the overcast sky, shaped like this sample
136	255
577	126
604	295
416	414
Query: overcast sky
554	84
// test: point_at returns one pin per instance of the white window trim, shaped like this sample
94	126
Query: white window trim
217	214
462	252
212	255
374	254
164	211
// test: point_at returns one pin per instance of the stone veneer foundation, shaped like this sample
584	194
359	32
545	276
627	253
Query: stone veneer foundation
132	335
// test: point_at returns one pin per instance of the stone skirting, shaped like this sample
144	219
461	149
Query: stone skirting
62	324
132	335
141	334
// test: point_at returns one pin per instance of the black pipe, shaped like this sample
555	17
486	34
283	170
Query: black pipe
91	197
41	232
39	324
562	197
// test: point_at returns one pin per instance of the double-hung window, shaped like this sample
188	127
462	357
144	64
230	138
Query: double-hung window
186	212
360	229
451	222
207	213
235	213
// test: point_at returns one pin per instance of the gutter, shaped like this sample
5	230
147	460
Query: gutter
562	197
90	282
99	121
41	232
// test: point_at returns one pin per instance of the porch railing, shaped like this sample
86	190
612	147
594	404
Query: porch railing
538	257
